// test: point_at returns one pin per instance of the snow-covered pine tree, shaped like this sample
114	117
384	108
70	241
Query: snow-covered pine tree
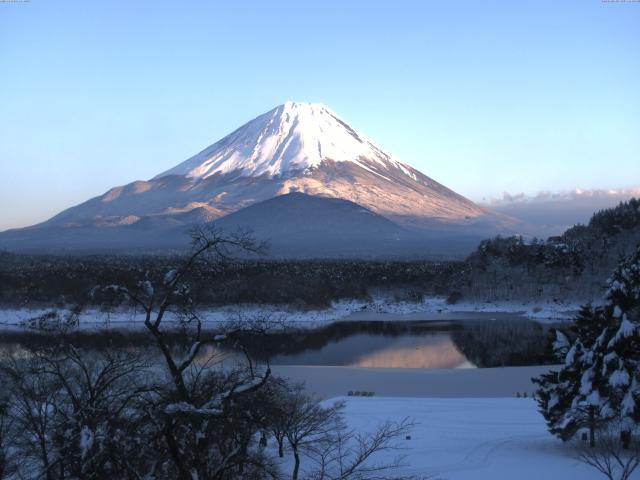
554	397
566	397
599	380
621	348
621	371
624	286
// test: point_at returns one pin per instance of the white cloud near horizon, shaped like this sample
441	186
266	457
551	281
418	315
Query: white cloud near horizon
569	195
551	213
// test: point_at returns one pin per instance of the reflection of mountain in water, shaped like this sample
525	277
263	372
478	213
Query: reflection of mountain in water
409	344
433	351
370	350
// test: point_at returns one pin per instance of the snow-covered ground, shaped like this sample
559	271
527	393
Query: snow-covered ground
473	438
435	309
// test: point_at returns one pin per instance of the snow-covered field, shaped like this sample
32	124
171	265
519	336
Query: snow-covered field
435	309
473	438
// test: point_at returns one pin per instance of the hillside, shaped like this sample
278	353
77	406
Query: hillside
573	265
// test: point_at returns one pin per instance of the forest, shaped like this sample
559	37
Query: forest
572	266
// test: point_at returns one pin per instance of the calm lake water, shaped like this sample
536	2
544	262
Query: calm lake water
362	344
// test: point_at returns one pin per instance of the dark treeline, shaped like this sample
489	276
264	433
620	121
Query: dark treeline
572	266
63	280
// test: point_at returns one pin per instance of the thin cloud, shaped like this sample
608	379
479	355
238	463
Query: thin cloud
576	194
551	213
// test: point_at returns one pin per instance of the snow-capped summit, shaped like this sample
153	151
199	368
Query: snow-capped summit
292	137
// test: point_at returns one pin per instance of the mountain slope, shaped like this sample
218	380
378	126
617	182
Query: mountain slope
296	224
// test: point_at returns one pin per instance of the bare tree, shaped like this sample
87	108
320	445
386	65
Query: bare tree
350	455
173	294
305	423
32	407
276	419
95	426
6	460
617	454
72	412
206	431
320	434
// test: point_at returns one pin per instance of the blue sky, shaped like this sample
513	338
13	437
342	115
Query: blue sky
483	96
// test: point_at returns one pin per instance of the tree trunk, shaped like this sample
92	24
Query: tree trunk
625	438
176	375
45	459
280	447
592	427
296	467
176	455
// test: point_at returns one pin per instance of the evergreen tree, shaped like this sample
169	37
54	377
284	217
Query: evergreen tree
621	369
599	381
624	287
622	352
566	397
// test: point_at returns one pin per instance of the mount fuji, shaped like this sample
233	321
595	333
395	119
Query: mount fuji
295	150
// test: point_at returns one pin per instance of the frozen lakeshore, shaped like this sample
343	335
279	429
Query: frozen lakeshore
415	382
431	309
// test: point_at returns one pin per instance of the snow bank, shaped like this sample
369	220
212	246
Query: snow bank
431	309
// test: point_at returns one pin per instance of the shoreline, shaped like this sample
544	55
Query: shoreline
431	309
497	382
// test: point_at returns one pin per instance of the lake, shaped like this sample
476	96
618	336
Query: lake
412	358
404	344
413	344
